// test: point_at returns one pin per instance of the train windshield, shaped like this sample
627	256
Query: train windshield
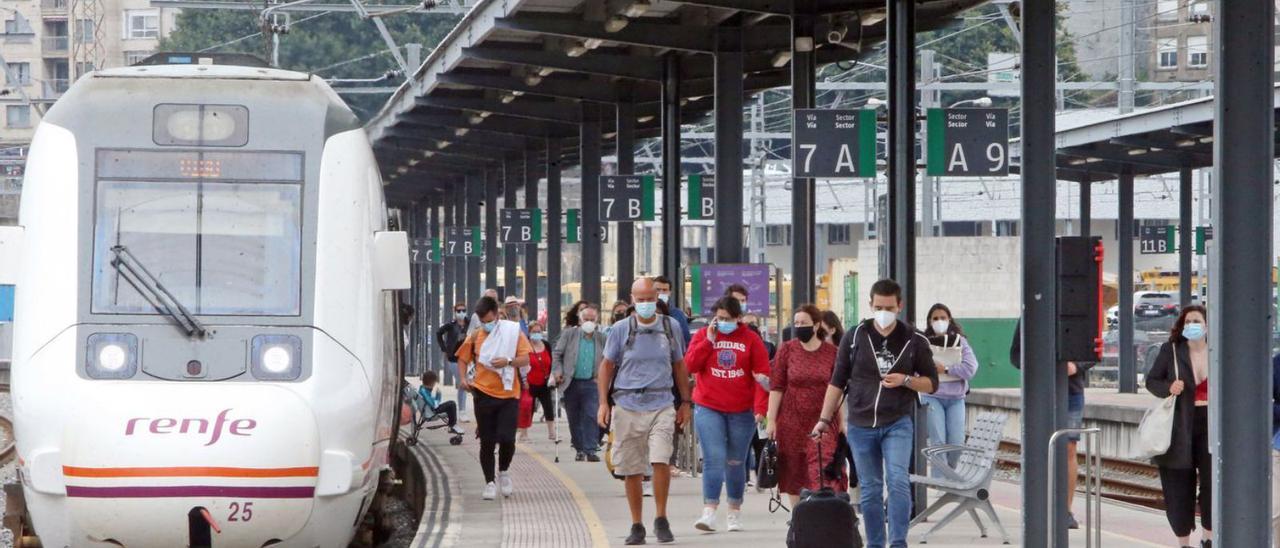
220	247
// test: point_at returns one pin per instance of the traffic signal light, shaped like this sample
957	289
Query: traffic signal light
1080	312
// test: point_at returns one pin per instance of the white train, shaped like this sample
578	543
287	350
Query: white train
206	350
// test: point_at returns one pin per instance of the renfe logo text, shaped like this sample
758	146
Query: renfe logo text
165	426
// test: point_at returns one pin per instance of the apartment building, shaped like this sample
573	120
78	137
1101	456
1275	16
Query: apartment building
1181	34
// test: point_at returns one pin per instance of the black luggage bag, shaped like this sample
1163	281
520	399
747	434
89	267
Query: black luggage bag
823	519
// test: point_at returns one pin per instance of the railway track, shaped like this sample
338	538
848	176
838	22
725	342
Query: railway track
1122	480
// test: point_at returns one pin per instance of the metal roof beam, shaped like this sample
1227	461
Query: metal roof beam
495	123
1192	157
603	64
636	33
562	88
548	111
437	133
770	7
1151	159
480	155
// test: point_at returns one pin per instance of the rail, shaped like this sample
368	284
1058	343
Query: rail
1092	485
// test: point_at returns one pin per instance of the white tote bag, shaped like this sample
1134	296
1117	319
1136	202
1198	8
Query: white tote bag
950	354
1155	432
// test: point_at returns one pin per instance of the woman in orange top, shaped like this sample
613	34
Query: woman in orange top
495	386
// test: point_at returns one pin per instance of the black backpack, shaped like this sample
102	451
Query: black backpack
823	518
632	327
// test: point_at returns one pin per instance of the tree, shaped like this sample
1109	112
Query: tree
333	45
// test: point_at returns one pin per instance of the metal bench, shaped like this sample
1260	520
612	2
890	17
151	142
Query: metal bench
968	481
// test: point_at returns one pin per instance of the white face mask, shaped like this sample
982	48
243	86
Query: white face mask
588	327
664	297
885	318
940	326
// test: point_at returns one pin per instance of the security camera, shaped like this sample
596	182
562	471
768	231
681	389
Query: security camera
837	33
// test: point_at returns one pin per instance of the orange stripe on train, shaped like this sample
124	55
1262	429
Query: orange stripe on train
191	471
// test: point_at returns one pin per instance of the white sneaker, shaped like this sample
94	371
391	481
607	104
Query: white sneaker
457	430
504	478
490	491
734	521
707	522
648	488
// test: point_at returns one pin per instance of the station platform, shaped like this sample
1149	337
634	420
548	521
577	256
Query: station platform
579	504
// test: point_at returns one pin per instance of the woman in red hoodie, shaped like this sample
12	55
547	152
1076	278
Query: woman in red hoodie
727	360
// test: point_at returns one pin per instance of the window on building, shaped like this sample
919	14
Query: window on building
17	116
84	31
1006	228
135	57
1198	10
839	234
18	25
19	74
777	235
1167	50
141	24
1197	51
961	228
1167	10
871	231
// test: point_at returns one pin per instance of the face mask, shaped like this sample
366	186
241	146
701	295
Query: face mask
805	334
885	318
664	297
535	337
489	327
646	310
1193	331
619	316
588	327
726	327
460	315
940	326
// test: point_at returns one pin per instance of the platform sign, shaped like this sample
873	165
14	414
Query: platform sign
702	197
424	250
969	142
1203	234
573	228
711	280
1157	240
521	226
834	143
627	198
462	241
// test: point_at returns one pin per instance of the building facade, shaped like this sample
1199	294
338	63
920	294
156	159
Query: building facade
1181	35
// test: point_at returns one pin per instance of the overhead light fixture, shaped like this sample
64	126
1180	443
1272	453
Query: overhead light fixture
592	43
413	161
546	71
876	102
1137	151
1092	160
461	132
443	145
402	170
871	18
576	50
508	98
517	93
532	79
1077	162
645	119
1206	140
616	23
636	8
781	59
427	154
1186	143
475	119
803	44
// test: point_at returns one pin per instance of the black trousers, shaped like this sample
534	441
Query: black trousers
542	396
450	411
496	421
1179	484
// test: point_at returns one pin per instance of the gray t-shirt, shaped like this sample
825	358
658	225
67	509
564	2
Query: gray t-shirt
647	365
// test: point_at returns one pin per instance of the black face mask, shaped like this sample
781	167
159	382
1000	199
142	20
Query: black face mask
805	334
619	316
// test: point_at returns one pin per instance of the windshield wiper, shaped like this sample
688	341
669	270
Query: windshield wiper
125	261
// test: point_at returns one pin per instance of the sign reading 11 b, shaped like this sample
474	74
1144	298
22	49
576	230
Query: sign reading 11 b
971	142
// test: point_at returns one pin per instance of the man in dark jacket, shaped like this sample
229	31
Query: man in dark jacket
881	364
1076	373
449	337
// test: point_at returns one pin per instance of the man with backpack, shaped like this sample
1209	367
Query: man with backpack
881	364
643	362
450	337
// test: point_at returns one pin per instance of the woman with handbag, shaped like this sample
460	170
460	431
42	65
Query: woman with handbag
956	365
797	384
1182	370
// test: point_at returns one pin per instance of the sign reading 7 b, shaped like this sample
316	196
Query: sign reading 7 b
627	198
521	226
462	241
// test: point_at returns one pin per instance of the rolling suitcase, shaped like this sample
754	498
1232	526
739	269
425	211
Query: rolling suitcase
823	519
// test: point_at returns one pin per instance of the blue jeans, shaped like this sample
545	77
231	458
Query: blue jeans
882	456
946	423
581	404
725	439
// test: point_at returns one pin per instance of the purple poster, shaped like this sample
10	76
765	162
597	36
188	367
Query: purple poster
717	277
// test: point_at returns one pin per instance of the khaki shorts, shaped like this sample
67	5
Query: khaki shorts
641	438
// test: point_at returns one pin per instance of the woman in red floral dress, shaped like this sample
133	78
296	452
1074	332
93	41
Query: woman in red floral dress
798	382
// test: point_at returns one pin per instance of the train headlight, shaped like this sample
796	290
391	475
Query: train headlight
111	356
276	357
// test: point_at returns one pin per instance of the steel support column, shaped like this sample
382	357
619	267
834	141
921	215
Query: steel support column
1039	271
553	237
531	251
1086	208
728	119
441	311
460	263
474	195
671	176
626	233
1240	331
1186	229
592	247
511	165
803	194
1128	356
492	188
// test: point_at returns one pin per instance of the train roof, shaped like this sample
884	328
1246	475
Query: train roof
232	72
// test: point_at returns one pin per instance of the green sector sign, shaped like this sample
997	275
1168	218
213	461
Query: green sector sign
971	142
702	197
1157	240
834	143
573	226
627	198
462	241
521	226
424	250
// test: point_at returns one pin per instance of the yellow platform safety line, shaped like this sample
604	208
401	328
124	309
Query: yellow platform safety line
598	536
1127	538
